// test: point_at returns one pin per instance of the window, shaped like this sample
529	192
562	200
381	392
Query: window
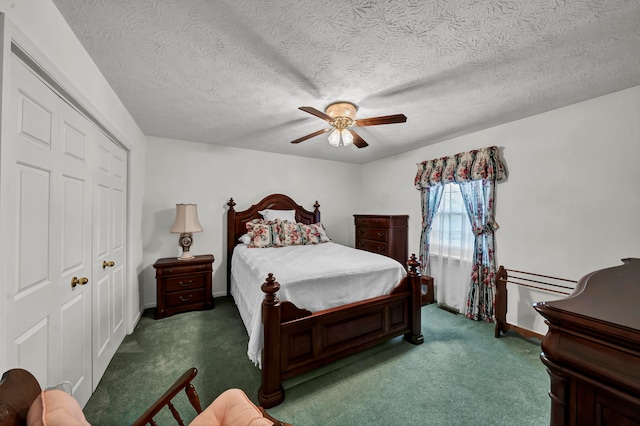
451	234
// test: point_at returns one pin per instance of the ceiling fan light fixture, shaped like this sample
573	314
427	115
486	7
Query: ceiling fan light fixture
334	138
347	137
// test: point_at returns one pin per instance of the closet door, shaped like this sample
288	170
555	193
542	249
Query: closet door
109	254
46	205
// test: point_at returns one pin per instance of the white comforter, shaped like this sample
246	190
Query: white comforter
313	277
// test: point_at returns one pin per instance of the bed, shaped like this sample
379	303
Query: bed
296	339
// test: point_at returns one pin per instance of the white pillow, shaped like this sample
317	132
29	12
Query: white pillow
272	215
245	239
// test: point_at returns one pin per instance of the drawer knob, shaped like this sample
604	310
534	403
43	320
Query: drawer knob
380	248
185	283
380	234
184	299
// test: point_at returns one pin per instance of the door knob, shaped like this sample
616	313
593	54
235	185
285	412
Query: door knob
105	264
78	281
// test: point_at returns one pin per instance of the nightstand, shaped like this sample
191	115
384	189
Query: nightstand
383	234
183	285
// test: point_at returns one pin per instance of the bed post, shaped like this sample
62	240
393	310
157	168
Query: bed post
231	218
316	212
415	334
501	301
271	392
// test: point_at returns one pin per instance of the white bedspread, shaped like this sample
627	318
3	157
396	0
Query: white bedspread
313	277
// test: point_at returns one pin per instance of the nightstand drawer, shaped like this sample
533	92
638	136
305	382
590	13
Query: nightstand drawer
372	246
372	221
187	269
186	282
184	297
375	234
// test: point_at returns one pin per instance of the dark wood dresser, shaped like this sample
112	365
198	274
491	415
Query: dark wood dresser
183	285
383	234
592	349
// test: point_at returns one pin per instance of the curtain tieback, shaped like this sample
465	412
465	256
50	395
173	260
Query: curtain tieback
489	228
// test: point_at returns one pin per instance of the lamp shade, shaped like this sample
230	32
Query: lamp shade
186	219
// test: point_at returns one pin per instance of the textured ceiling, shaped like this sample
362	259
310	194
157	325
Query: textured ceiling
234	72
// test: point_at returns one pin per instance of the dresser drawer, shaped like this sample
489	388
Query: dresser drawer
186	269
375	234
372	246
372	221
184	298
186	282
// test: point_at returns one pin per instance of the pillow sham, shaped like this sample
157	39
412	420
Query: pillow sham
263	234
290	233
272	215
314	233
245	239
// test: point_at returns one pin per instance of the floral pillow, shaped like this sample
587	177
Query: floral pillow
262	234
314	233
290	233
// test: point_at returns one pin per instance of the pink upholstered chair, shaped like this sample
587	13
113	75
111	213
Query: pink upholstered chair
22	402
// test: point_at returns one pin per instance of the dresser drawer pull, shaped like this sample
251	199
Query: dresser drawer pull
380	234
184	299
380	248
186	283
170	270
361	244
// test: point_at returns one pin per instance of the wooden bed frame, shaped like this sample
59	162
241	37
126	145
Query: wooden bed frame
524	279
297	340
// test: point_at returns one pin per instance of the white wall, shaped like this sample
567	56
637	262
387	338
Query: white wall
44	27
570	204
209	175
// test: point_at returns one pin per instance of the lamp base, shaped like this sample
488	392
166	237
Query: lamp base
185	242
186	256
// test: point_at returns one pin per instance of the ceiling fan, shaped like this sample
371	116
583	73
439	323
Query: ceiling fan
340	116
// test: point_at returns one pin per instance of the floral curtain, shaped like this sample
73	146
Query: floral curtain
478	198
479	164
476	172
430	198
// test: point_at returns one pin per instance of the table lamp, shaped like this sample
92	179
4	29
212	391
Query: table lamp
185	224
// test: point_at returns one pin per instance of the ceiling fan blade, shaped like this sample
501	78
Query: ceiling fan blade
317	113
357	140
309	136
387	119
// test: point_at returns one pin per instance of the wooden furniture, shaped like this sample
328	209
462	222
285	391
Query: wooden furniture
183	285
383	234
546	283
427	290
184	383
297	340
592	349
19	389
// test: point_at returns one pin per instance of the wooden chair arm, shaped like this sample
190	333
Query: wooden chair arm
184	382
18	390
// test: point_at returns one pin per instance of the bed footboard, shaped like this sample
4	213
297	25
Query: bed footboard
297	340
546	283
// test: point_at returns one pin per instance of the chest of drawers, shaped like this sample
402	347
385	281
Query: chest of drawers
183	285
383	234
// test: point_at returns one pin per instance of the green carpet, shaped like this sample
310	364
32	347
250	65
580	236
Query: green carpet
461	375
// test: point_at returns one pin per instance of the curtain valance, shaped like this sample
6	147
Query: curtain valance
479	164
